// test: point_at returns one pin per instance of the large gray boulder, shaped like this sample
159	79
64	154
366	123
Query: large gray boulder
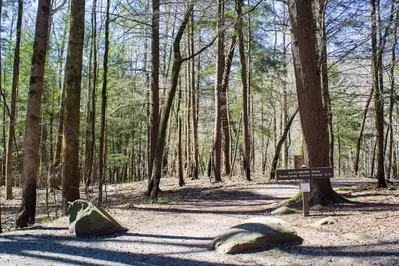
87	219
255	233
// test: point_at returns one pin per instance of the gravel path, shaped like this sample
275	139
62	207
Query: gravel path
178	231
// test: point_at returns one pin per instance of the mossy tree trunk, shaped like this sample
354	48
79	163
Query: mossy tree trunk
73	77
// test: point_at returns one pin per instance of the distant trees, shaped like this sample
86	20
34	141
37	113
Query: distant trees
234	95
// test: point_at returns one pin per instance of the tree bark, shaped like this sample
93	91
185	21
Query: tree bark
154	110
217	134
392	145
73	77
153	188
378	99
314	125
102	141
324	75
280	144
14	93
32	126
224	103
244	107
194	104
360	134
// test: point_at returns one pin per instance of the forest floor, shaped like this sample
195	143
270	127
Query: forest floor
178	229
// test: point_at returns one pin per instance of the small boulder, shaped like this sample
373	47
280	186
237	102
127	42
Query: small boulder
357	236
87	219
255	233
283	210
324	221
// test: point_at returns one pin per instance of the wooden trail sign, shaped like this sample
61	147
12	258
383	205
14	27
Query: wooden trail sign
304	173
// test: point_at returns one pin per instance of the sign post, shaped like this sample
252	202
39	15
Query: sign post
306	175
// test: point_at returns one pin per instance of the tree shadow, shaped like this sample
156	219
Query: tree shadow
78	251
357	251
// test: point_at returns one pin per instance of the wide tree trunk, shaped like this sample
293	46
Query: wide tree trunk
14	93
314	124
32	126
73	77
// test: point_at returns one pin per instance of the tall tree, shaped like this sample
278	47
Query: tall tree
377	51
101	153
14	93
1	91
314	126
323	68
153	188
32	126
217	134
73	78
244	109
154	102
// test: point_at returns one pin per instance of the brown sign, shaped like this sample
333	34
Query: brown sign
304	173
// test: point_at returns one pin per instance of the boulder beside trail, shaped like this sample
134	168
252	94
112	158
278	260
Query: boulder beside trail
324	221
255	233
283	211
87	219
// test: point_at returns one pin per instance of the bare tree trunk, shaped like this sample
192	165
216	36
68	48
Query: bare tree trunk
154	112
73	77
93	98
14	93
280	144
314	125
324	75
101	153
392	95
360	134
179	144
217	137
194	91
225	124
56	177
1	91
245	118
32	126
153	188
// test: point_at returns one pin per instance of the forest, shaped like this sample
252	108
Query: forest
103	92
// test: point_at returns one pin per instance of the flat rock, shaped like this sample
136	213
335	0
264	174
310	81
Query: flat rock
283	211
325	221
87	219
357	236
255	233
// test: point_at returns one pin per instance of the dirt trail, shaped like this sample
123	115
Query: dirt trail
179	229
